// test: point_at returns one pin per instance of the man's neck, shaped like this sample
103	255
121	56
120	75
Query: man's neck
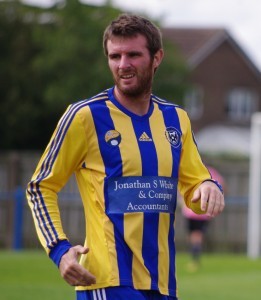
139	105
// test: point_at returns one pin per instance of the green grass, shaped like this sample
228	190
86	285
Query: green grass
30	275
220	277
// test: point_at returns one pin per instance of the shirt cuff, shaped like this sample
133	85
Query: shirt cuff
59	250
217	184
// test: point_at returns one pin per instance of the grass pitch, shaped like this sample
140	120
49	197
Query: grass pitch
220	277
30	275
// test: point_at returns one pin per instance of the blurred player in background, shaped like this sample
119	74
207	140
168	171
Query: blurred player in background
196	226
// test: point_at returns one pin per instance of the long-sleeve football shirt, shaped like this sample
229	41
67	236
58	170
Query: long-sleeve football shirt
128	169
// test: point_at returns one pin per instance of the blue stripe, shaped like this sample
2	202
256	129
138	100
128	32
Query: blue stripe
113	168
110	154
171	119
46	169
124	254
39	216
151	221
147	148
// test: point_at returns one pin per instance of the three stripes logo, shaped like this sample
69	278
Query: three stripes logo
145	138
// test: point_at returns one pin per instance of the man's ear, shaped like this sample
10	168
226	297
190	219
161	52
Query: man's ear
158	59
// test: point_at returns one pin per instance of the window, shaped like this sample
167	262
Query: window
194	103
241	104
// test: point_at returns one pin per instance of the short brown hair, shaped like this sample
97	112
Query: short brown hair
127	25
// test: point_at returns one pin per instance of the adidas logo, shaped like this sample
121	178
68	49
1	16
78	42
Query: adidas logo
145	138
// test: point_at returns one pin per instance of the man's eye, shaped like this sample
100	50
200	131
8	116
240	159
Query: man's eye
114	56
134	54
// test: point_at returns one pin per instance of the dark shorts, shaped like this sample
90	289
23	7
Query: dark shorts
199	225
121	293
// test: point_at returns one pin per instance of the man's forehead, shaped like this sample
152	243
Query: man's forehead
121	42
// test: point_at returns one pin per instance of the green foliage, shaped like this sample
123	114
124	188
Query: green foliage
170	80
72	62
52	57
16	75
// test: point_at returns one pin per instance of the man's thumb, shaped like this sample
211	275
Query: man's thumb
81	249
196	196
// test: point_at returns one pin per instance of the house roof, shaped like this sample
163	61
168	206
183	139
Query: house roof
192	40
196	44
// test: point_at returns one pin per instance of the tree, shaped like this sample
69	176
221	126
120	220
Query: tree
171	79
53	57
18	114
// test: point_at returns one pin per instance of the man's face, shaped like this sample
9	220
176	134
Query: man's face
131	64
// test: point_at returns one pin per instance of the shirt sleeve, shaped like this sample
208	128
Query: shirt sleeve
64	154
192	171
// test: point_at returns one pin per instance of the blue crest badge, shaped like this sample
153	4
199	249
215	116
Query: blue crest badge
173	136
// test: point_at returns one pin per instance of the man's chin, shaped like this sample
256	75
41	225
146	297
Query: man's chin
130	91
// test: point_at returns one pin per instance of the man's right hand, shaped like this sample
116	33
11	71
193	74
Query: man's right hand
72	271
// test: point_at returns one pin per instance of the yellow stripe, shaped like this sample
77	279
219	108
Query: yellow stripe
134	224
94	160
91	182
112	252
129	149
163	147
163	266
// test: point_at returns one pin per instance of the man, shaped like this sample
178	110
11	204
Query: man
129	151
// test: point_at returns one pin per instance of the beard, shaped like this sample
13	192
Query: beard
143	85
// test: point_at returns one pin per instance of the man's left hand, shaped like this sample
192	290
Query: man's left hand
211	198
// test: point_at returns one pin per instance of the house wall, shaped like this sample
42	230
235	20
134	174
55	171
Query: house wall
221	71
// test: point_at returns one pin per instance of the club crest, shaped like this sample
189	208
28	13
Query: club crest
113	138
173	136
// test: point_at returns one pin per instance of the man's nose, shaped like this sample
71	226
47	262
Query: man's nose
124	62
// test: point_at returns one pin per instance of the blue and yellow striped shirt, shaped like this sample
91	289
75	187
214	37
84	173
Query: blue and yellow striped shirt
128	169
